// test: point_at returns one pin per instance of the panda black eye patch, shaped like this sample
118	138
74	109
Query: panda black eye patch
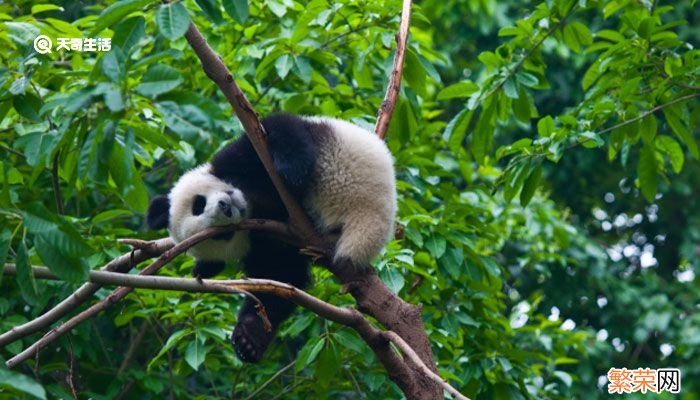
198	204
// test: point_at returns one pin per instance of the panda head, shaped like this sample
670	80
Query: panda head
198	200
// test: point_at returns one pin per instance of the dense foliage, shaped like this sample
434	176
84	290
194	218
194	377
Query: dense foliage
547	156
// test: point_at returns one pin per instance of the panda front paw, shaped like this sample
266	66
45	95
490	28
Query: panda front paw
250	339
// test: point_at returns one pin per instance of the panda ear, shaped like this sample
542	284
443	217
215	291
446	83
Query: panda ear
158	215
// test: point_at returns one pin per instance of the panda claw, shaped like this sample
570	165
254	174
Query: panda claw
315	252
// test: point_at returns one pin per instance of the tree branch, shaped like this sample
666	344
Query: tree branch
121	292
122	263
392	90
408	352
346	316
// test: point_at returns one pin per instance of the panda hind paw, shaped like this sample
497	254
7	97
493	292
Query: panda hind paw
250	339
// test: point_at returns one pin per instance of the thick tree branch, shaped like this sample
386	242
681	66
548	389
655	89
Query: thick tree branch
392	90
408	352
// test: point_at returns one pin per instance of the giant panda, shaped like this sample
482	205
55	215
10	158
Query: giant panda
340	173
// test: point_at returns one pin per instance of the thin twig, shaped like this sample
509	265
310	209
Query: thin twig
272	378
408	352
11	150
56	184
133	346
640	116
392	90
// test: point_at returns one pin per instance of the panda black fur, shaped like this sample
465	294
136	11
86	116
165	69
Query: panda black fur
343	176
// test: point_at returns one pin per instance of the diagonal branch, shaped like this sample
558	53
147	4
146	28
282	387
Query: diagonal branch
408	352
217	71
392	90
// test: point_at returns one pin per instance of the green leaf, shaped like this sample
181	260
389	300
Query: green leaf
211	9
329	363
514	178
522	106
283	64
113	99
39	8
109	215
173	20
111	66
70	269
674	120
27	105
237	9
436	245
483	132
129	32
22	33
195	353
648	128
308	353
159	79
646	27
458	90
116	12
510	88
647	172
173	340
452	261
393	279
564	377
545	126
526	79
671	148
16	382
64	27
591	75
456	129
5	241
60	234
530	185
25	277
303	68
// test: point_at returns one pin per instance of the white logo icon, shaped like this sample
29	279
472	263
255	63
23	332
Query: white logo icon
42	44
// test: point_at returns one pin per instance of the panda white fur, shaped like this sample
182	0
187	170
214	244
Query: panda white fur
199	201
342	175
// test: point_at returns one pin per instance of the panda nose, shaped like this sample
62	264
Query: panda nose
225	207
